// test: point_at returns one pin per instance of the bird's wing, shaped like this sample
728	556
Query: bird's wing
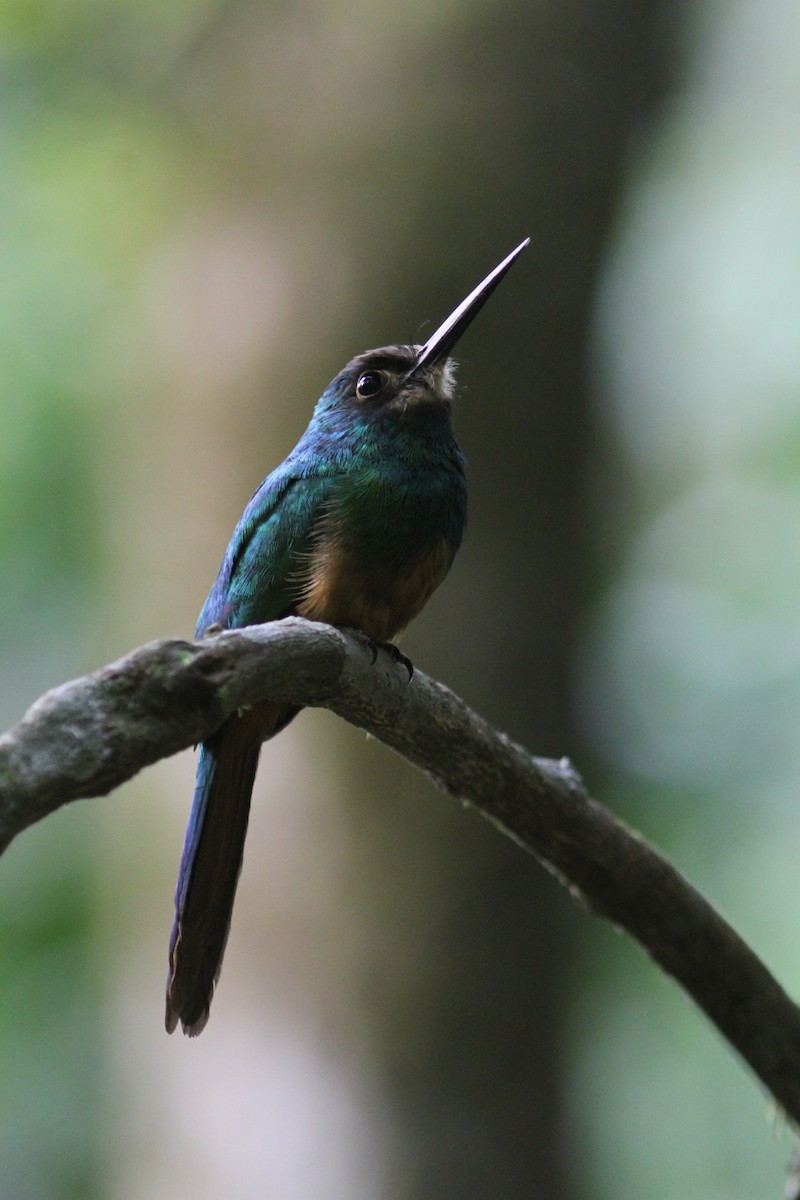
259	577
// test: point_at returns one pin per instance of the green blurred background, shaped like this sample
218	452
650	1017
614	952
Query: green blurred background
205	209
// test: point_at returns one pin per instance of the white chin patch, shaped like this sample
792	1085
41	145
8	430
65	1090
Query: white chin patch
446	381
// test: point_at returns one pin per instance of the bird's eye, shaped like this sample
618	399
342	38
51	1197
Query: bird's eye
369	384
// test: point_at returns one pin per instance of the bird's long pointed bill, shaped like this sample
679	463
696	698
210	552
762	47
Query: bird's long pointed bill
441	343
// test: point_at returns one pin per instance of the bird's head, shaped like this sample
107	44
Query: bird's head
406	379
388	381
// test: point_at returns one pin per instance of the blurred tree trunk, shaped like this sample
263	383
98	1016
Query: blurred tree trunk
470	1039
416	151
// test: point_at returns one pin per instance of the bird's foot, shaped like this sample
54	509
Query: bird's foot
393	651
399	657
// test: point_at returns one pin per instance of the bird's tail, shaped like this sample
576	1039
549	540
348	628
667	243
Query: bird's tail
211	862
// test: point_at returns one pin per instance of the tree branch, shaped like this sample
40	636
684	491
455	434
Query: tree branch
86	737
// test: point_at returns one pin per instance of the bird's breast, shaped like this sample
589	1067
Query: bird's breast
345	588
381	550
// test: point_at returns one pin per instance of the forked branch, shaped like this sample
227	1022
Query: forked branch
88	736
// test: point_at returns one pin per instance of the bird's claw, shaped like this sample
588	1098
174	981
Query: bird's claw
393	651
397	656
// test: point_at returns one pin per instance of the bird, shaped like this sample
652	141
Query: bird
356	528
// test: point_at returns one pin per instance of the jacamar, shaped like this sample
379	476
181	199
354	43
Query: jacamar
357	528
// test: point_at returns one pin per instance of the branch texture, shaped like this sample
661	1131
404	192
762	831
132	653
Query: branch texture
86	737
